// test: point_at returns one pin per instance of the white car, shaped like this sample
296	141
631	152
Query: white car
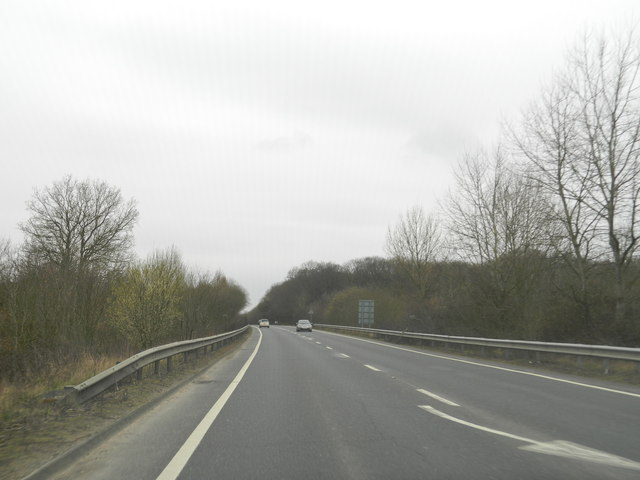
304	325
263	323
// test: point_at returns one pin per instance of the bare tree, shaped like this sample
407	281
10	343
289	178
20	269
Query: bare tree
415	243
76	224
207	302
370	272
6	263
582	142
498	220
550	141
606	81
494	212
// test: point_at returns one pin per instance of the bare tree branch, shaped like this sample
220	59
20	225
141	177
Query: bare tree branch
78	224
415	243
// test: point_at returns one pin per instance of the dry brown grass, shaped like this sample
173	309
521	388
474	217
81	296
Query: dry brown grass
30	418
23	402
35	429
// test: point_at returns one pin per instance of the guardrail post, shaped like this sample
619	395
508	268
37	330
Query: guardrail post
510	349
132	369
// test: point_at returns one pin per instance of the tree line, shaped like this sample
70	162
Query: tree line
75	286
538	236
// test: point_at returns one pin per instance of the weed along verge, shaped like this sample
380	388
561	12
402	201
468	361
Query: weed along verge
37	429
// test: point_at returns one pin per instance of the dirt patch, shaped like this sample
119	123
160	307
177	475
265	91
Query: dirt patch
52	426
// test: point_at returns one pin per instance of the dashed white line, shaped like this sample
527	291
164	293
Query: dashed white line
329	348
437	397
495	367
372	368
342	355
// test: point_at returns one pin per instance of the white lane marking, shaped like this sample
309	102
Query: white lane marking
373	368
318	343
432	410
559	448
180	459
437	397
469	362
342	355
329	348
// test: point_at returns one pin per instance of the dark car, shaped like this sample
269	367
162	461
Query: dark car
304	325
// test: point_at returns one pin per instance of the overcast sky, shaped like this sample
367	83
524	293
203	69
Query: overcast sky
257	135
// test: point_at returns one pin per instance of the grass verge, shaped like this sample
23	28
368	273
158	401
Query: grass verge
34	429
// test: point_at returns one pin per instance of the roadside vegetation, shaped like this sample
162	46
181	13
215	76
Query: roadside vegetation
538	237
39	429
74	299
537	240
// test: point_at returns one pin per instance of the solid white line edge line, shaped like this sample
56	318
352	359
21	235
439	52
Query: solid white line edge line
180	459
521	372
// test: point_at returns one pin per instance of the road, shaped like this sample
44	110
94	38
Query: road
325	406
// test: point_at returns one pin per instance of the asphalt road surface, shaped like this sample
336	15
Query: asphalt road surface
324	406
